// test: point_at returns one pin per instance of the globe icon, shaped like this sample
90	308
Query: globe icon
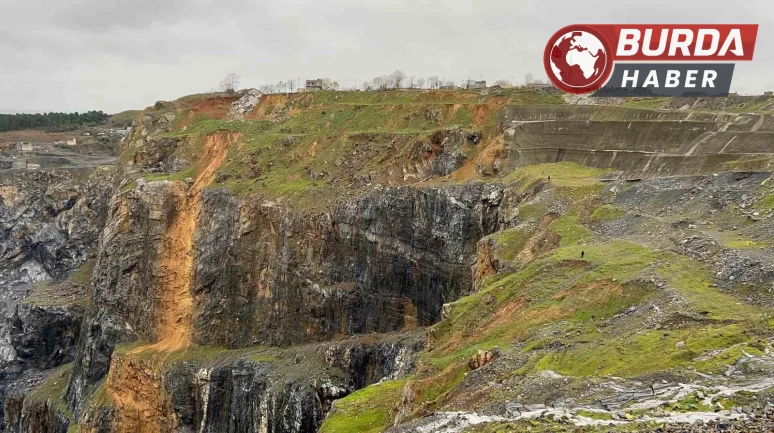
578	59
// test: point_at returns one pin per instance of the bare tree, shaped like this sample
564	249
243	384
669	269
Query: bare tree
398	78
389	82
268	88
229	83
502	82
420	83
291	84
528	78
433	82
329	84
449	83
366	85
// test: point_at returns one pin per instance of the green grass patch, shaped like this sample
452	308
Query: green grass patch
531	211
201	354
570	229
366	411
52	389
767	201
717	362
123	119
581	294
607	213
99	397
73	292
594	415
510	242
83	274
748	244
555	287
563	174
649	351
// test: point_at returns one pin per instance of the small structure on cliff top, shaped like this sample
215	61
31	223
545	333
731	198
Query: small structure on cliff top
474	84
314	84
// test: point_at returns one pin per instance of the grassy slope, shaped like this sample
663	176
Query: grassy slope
316	145
52	390
575	298
74	291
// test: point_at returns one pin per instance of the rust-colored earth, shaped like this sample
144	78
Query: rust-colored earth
134	381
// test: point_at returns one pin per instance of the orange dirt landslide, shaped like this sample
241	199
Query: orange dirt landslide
132	382
600	289
215	107
484	110
542	241
505	314
488	150
418	388
484	267
135	388
274	103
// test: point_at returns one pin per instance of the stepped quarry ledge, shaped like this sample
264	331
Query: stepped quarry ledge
401	261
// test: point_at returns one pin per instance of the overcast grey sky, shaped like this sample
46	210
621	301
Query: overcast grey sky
115	55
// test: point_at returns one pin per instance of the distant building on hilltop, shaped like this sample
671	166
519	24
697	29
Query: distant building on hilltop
24	147
314	84
71	141
768	93
474	84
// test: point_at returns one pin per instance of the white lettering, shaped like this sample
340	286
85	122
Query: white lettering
677	43
633	79
628	42
672	78
690	77
703	33
734	36
651	80
661	43
709	78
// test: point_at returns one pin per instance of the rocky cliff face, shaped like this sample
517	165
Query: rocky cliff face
49	223
377	263
264	275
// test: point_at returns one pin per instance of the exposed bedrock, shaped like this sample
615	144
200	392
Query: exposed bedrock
379	263
265	274
278	390
49	225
